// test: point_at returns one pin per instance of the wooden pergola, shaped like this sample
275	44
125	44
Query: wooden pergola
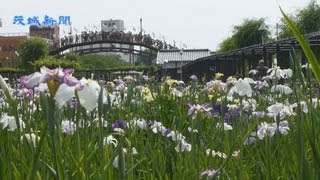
238	61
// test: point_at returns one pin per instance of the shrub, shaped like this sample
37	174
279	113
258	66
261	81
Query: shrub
32	50
52	62
102	62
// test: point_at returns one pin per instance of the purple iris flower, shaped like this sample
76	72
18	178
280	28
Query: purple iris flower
227	118
74	103
195	109
58	75
34	80
166	132
217	110
232	115
150	124
236	112
122	124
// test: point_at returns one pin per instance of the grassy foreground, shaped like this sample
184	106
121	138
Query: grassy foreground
136	128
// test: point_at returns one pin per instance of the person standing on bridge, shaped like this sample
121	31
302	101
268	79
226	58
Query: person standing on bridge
77	38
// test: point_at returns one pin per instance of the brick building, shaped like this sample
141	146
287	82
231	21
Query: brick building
46	32
8	49
9	43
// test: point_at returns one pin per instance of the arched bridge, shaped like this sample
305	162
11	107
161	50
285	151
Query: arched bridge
115	41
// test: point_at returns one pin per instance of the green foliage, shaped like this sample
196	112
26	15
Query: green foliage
101	62
284	29
11	73
98	62
245	34
52	62
307	20
308	133
305	46
72	56
79	148
10	70
227	45
144	59
31	50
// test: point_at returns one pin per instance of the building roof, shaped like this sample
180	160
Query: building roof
282	45
187	55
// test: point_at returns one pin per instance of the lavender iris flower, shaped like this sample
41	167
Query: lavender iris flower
195	109
74	103
217	110
209	173
58	75
122	124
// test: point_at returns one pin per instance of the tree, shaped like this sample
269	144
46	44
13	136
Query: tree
227	45
101	61
31	50
145	59
307	20
72	56
284	29
245	34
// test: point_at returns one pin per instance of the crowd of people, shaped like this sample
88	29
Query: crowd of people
118	36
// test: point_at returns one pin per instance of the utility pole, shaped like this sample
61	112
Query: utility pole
141	25
277	31
141	35
181	53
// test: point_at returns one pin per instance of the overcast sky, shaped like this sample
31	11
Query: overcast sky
196	23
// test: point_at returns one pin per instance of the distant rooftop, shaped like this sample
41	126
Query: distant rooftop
184	55
13	34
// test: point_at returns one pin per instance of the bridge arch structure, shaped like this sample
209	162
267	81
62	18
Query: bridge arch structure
96	42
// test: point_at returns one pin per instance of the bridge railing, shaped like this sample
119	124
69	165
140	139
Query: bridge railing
114	36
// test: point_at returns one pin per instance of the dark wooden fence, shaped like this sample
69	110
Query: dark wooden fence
106	75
